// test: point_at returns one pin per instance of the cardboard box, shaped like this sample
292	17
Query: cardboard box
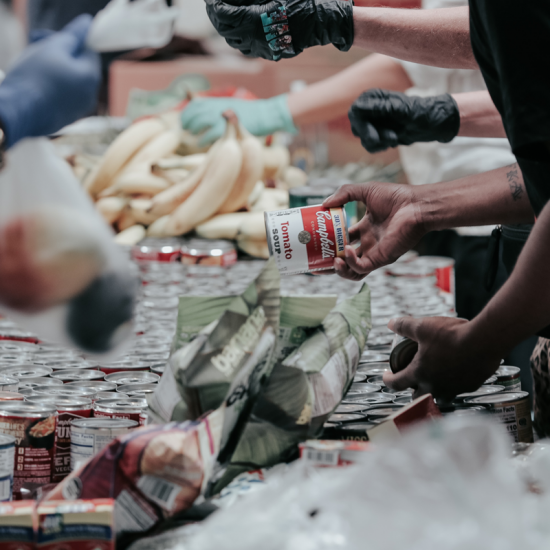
420	410
17	525
76	525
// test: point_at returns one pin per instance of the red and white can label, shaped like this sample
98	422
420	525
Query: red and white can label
306	239
62	455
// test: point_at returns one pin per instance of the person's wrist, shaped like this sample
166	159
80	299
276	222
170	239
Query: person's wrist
282	118
483	340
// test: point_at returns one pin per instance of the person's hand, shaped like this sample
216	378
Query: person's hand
260	117
273	31
392	225
451	359
54	83
383	119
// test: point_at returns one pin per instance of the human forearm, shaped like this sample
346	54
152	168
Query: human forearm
522	306
332	97
493	197
478	115
439	37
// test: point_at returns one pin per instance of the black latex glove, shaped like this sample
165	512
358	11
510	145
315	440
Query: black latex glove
385	119
283	29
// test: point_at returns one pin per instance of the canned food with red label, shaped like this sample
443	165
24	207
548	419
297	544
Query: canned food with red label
111	368
68	409
208	252
157	250
130	377
69	364
34	429
130	409
19	336
7	462
73	375
303	240
509	377
11	396
102	395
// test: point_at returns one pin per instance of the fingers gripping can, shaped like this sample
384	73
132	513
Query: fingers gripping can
306	239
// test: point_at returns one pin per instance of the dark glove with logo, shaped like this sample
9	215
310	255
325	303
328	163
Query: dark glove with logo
283	28
385	119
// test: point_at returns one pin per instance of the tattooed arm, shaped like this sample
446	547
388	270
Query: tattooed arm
399	215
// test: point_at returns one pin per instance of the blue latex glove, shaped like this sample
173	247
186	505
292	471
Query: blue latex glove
54	83
260	117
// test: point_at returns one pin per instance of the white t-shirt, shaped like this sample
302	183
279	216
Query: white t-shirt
434	162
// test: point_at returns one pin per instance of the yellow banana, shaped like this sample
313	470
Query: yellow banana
293	177
188	162
251	171
271	199
111	208
276	159
120	152
131	236
223	226
257	192
167	201
253	227
215	187
138	209
137	180
158	227
255	248
160	146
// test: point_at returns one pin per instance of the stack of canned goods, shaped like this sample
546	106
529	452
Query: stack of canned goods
49	393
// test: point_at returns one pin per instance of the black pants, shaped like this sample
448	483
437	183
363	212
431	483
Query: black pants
469	254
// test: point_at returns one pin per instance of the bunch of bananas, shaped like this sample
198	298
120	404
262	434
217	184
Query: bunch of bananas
142	187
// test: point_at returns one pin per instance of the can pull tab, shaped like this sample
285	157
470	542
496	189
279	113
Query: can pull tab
492	258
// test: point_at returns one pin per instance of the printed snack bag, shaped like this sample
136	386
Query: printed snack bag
215	337
301	393
151	473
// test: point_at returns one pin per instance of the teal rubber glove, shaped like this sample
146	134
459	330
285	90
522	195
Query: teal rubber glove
260	117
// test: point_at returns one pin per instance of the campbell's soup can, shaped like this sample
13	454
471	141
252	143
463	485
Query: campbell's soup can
512	409
308	239
34	428
68	409
7	463
129	409
89	436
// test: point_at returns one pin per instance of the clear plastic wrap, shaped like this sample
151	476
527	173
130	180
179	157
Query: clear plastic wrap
445	485
62	275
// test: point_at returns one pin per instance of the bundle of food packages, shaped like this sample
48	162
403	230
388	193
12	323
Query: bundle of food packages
152	181
312	365
250	377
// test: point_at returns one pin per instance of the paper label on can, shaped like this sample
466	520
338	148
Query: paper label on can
84	446
139	417
517	420
34	448
62	456
306	239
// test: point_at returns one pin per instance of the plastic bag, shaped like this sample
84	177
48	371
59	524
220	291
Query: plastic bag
446	485
73	285
124	25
